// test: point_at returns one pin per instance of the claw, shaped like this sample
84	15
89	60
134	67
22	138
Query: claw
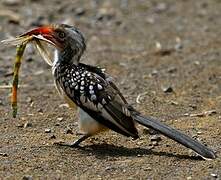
73	145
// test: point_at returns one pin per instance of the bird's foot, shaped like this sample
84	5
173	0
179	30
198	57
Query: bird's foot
73	145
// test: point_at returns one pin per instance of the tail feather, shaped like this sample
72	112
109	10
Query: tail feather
176	135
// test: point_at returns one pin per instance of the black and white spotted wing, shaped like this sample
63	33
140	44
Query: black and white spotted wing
94	92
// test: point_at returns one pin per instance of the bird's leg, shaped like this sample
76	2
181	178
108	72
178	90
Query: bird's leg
75	143
81	139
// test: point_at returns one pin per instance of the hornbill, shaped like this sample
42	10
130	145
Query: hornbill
101	105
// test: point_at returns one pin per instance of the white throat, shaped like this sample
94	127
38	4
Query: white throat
55	60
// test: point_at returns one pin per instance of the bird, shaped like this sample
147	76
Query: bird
101	104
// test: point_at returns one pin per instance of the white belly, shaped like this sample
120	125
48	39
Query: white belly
87	124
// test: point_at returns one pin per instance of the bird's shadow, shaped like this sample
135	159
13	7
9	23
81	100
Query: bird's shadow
102	151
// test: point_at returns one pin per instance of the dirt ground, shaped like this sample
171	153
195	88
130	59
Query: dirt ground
166	59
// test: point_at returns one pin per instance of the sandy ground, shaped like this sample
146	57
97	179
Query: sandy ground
166	58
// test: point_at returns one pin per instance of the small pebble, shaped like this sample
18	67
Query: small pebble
172	70
80	11
154	143
150	20
156	138
210	166
52	137
197	63
167	89
27	177
27	124
4	154
210	112
60	119
105	14
57	124
20	125
174	103
153	73
193	106
68	131
63	105
214	175
199	132
29	59
29	100
40	110
178	46
47	130
108	168
148	168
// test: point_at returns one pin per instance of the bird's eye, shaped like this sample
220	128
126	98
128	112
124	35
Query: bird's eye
61	34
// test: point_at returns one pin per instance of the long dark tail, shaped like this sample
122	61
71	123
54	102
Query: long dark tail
176	135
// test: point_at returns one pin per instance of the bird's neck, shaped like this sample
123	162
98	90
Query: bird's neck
67	56
64	59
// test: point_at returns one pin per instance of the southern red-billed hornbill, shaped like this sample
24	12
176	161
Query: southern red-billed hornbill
101	105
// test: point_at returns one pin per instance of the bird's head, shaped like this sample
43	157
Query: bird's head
68	40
